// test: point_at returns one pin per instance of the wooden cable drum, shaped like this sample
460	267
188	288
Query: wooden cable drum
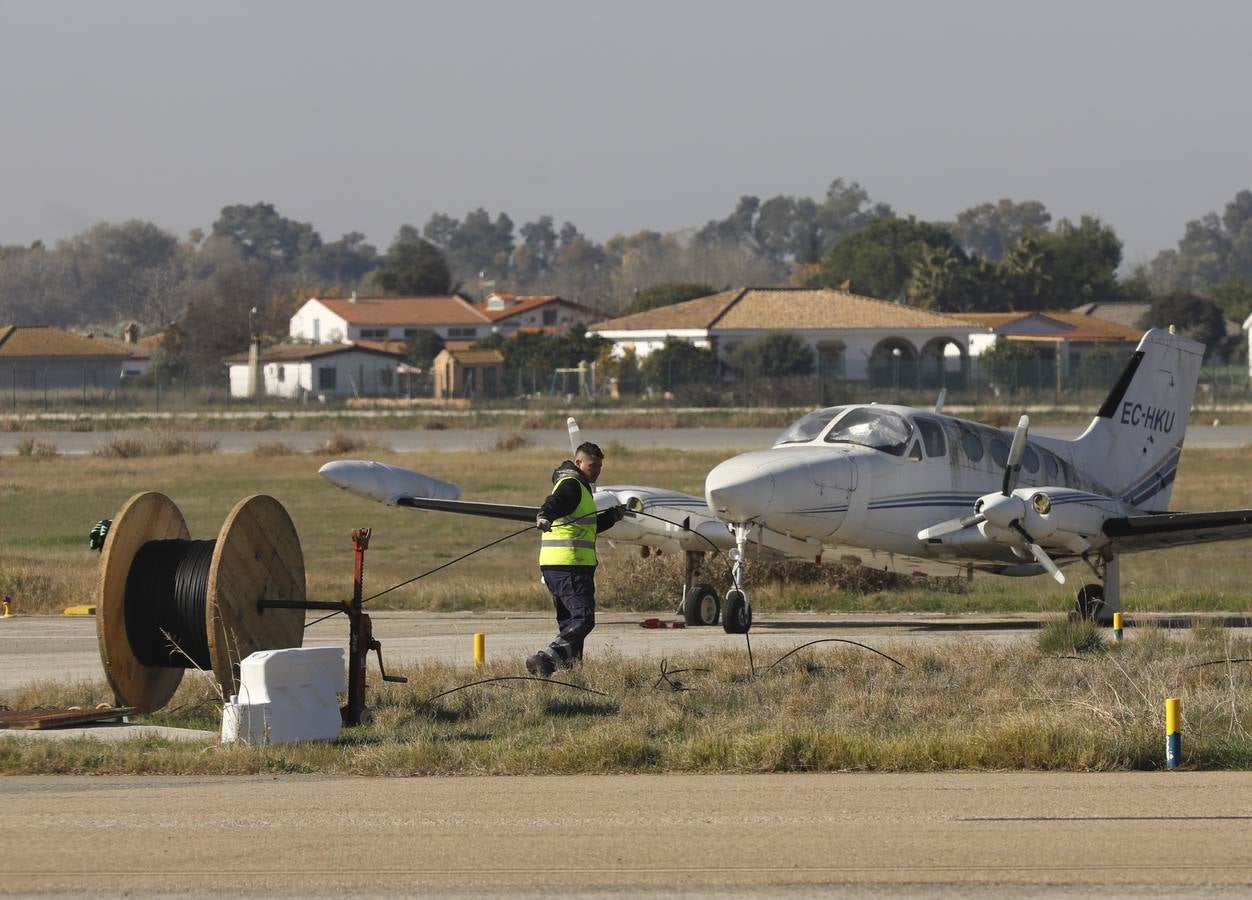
166	603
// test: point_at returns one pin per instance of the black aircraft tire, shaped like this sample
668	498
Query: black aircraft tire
701	606
736	613
1090	602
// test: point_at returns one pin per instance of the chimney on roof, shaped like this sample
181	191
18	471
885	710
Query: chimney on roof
352	299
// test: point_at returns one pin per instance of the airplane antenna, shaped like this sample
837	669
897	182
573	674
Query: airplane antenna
939	401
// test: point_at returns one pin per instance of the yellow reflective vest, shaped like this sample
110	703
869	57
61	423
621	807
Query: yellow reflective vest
572	540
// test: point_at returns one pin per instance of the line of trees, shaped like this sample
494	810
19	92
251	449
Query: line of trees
1004	255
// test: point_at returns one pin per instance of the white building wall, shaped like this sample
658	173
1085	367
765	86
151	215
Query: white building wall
315	323
858	344
356	374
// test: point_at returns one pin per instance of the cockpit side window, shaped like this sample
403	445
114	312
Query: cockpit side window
932	436
878	429
804	430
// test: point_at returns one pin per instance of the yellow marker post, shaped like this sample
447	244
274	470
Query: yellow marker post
480	650
1117	626
8	608
1173	734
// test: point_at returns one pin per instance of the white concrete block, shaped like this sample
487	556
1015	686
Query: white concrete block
286	696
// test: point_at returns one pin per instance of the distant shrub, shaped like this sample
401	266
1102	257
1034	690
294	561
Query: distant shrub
34	448
341	442
508	441
272	448
120	448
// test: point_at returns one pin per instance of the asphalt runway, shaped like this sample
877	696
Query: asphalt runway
1164	834
74	443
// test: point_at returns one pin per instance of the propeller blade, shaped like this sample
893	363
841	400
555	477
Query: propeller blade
1040	554
1016	452
950	526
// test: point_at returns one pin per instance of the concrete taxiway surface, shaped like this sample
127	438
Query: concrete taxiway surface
38	648
41	648
1130	834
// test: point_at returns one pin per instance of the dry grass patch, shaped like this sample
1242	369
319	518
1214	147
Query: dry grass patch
828	707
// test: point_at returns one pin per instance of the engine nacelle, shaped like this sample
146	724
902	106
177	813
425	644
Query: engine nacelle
1055	517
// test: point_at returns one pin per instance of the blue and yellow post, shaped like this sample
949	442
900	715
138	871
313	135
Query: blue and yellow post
1173	734
1117	626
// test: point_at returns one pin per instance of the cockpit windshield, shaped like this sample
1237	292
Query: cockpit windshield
878	429
808	428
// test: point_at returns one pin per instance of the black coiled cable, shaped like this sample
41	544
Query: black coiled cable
166	594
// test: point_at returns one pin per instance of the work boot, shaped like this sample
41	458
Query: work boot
540	665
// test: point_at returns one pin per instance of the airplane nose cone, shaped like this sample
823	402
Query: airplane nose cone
802	491
739	489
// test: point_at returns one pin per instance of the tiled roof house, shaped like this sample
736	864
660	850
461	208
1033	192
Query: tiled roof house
847	330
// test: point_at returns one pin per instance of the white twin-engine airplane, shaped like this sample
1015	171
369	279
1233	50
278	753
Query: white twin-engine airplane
914	483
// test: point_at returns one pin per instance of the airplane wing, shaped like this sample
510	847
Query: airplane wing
1152	532
472	508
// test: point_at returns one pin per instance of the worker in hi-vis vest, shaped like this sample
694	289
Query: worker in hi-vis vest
568	523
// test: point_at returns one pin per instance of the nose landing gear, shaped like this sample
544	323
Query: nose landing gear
737	609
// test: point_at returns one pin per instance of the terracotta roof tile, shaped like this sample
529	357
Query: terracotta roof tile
789	309
17	341
300	352
436	310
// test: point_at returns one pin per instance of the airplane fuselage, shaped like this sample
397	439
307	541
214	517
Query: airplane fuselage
871	476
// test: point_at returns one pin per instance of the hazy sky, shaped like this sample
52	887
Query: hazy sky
364	116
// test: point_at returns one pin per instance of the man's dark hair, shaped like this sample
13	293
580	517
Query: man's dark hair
589	449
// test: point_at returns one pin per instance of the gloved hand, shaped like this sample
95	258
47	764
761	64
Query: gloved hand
619	512
543	523
95	540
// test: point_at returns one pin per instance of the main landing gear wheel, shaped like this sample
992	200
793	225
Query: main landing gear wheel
701	606
1089	607
736	613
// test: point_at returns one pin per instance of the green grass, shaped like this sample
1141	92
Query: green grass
51	503
831	707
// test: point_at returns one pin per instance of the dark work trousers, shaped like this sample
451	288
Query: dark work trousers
574	596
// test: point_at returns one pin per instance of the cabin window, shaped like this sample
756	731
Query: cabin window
916	453
877	429
932	436
808	428
972	446
1030	460
1050	467
1000	451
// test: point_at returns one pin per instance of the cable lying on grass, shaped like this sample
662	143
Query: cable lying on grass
577	687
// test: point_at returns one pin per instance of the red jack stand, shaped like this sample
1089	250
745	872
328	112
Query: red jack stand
360	633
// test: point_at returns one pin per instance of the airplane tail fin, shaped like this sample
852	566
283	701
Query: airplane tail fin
1133	444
